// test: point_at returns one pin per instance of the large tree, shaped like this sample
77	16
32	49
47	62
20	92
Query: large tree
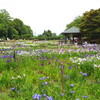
23	30
47	33
90	23
13	28
5	23
19	26
28	33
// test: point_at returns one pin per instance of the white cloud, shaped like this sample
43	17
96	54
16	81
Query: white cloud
48	14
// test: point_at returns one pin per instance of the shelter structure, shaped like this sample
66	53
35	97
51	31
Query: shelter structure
73	34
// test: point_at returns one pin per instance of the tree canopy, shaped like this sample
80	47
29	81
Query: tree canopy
90	23
47	35
13	28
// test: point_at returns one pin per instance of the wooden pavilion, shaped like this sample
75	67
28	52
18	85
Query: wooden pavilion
72	34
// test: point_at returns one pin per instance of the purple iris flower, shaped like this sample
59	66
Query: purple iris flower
49	62
42	64
7	60
44	95
67	76
62	94
42	78
12	88
72	85
69	67
36	96
44	83
84	96
72	91
49	98
84	74
80	72
40	50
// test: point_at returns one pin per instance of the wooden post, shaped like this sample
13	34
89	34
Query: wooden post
62	70
62	77
14	56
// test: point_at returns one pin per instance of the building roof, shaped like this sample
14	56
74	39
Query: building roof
72	30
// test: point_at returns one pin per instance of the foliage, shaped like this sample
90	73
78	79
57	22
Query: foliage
47	35
90	23
53	37
13	28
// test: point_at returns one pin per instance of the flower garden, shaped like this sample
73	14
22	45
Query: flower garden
46	71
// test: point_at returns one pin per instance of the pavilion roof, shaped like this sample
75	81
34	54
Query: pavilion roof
72	30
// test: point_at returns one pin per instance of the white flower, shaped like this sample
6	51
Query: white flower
98	65
95	65
24	75
12	77
79	63
19	76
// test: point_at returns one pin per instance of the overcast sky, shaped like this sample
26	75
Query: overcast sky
42	15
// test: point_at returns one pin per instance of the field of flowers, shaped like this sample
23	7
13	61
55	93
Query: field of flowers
47	71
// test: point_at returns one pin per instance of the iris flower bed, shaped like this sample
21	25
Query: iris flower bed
50	73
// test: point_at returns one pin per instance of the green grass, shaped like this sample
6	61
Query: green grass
23	75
